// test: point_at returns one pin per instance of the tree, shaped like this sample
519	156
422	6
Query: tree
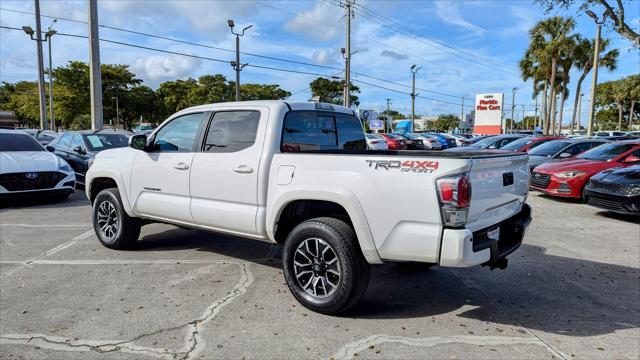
617	96
331	91
394	115
262	92
22	99
446	122
615	14
583	60
550	41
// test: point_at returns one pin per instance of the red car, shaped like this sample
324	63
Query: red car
527	143
395	142
567	178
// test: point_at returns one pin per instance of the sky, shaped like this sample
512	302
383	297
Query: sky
464	47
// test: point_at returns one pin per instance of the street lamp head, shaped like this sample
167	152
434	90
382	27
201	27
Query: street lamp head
514	89
50	33
231	23
343	51
592	15
28	30
413	67
247	28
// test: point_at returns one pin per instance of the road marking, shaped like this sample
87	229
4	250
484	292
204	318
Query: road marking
348	350
44	226
50	252
132	262
193	345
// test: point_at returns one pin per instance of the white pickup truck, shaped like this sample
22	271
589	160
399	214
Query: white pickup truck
299	174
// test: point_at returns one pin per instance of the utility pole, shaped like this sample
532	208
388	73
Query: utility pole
48	36
594	83
386	121
535	118
236	64
461	113
95	73
43	109
579	111
523	117
414	71
117	112
347	64
513	108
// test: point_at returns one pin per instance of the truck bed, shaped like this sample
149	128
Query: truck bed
484	154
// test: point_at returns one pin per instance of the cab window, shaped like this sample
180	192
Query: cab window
179	134
321	130
231	131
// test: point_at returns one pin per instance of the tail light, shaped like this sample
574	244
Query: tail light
454	193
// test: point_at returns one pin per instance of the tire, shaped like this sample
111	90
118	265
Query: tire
333	294
121	231
414	266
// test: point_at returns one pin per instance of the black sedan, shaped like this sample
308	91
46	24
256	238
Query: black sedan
79	148
413	142
616	190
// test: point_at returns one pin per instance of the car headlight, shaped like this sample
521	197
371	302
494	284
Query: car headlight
64	167
570	174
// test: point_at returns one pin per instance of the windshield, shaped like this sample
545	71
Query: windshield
395	136
374	137
484	143
99	142
19	142
517	144
606	152
550	148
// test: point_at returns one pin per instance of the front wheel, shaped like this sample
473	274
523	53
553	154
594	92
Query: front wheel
323	265
114	228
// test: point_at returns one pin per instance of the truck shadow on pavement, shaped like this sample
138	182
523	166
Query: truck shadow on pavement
539	291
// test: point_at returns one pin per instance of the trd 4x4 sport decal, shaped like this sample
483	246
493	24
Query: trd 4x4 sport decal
414	166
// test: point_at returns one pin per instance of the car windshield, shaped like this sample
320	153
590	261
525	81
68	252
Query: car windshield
548	149
484	143
410	136
374	137
19	142
606	152
517	144
99	142
396	136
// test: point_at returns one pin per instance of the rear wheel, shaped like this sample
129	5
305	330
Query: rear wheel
323	265
114	228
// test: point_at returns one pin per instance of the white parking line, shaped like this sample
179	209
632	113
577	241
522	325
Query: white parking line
56	249
44	225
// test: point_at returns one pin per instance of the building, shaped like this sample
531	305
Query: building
8	119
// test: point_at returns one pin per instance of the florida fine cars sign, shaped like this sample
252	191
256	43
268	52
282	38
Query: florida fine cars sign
488	117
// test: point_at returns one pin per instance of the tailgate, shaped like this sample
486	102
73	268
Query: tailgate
499	187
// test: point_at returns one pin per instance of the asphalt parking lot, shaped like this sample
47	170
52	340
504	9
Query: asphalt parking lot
571	291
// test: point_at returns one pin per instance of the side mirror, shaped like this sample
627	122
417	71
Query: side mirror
138	142
564	155
631	159
78	150
50	148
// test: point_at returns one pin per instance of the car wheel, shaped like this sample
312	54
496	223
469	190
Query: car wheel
114	228
324	266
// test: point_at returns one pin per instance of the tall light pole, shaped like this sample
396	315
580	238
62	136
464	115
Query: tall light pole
347	56
236	64
414	71
513	108
535	118
579	111
386	120
117	112
596	56
95	72
48	36
38	39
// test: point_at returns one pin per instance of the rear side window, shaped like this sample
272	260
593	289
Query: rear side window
232	131
65	140
319	130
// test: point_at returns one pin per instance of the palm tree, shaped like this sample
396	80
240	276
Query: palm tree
563	88
538	71
583	60
550	40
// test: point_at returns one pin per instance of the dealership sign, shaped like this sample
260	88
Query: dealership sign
488	117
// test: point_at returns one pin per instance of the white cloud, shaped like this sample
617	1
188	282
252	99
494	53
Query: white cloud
330	56
322	13
393	55
449	13
161	68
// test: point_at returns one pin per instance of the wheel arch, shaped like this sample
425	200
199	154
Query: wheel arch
101	181
297	206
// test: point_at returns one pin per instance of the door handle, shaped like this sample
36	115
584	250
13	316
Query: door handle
243	169
181	166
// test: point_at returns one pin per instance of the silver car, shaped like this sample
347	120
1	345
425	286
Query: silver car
376	142
430	142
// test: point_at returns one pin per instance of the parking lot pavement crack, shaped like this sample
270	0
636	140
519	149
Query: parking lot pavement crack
473	286
66	344
350	350
194	342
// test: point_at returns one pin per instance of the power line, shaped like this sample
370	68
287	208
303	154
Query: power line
391	22
228	50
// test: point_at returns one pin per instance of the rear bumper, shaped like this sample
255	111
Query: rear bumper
463	248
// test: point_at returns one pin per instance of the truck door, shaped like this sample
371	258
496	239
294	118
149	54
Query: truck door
224	175
160	178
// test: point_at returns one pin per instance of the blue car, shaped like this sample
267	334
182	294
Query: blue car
443	140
